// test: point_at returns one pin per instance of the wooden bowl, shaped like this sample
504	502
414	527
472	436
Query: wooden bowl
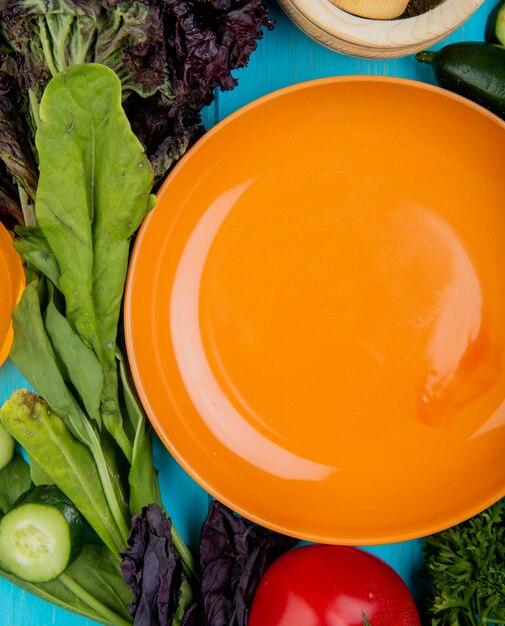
357	36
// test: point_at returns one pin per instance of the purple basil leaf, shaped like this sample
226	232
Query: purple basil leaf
170	55
234	555
15	146
152	569
18	170
193	616
10	211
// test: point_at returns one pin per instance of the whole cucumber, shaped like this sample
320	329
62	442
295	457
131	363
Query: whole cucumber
495	26
475	70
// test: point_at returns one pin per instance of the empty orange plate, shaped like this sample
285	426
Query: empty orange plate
11	285
316	310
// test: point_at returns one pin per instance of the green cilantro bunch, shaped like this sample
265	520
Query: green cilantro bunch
465	566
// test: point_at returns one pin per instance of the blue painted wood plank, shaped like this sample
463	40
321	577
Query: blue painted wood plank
284	57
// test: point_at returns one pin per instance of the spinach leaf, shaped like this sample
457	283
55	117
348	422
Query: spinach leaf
69	463
65	218
142	477
89	214
56	593
97	571
33	247
14	481
92	587
33	355
77	363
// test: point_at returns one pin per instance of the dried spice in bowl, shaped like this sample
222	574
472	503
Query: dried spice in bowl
417	7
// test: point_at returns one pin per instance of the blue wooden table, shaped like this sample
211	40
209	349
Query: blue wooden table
285	56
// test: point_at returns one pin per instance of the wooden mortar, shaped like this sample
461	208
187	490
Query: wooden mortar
358	36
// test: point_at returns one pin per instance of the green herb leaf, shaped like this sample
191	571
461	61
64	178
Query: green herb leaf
77	363
142	478
56	593
97	571
89	214
466	567
94	573
33	247
33	355
14	481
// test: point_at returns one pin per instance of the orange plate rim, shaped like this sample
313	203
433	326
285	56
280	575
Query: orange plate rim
16	288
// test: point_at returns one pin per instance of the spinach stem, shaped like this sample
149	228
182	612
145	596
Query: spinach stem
93	443
113	618
123	442
188	561
110	492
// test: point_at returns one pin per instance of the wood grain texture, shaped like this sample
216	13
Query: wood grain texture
284	57
337	29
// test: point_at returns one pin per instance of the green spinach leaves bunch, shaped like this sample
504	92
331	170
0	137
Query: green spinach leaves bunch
466	568
87	432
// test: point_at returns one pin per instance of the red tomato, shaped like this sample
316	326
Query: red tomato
332	586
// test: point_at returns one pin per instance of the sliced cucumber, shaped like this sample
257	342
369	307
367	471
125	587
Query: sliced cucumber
41	535
6	447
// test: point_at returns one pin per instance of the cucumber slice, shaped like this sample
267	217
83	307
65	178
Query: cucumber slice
495	26
6	447
41	535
